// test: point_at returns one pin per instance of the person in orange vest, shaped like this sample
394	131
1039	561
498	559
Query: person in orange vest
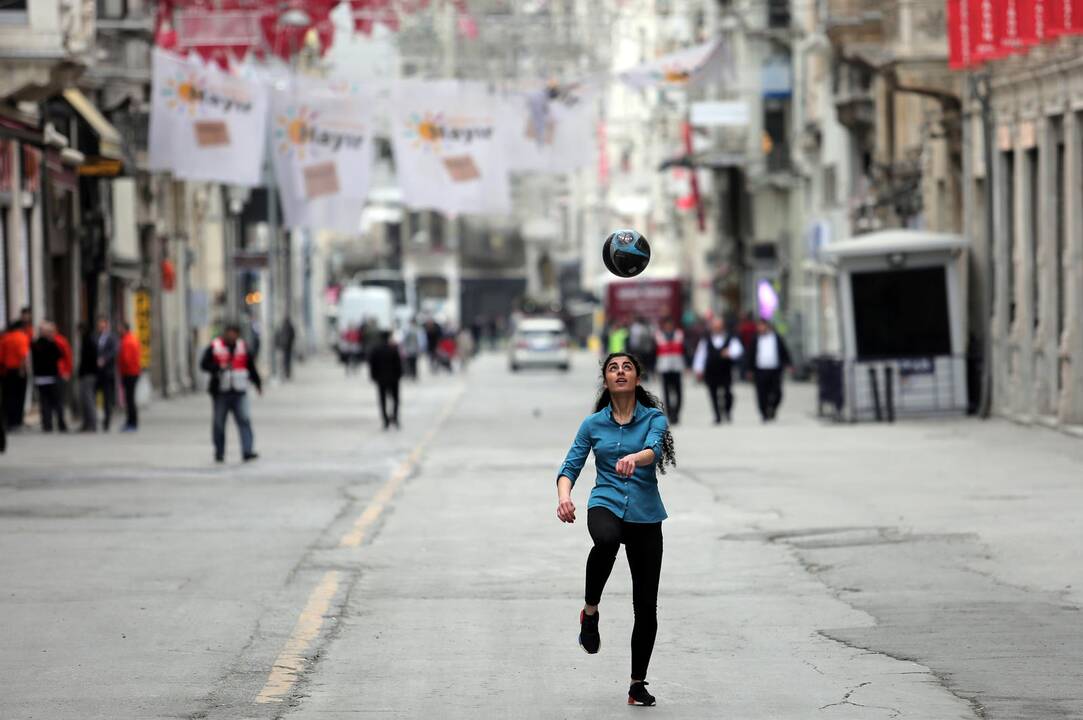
130	366
232	369
14	370
669	344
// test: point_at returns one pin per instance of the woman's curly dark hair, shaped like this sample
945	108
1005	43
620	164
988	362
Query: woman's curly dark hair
644	398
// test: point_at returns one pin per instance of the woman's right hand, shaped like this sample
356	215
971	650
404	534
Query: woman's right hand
566	510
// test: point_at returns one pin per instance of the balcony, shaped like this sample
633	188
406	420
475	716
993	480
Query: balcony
854	21
44	45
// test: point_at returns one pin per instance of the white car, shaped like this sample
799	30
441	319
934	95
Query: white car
539	342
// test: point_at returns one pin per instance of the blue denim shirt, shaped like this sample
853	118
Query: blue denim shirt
634	499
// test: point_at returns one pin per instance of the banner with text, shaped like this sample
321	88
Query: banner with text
450	146
206	124
683	68
551	130
321	145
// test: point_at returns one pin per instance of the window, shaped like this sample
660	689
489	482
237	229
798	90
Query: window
1059	230
778	13
830	189
901	313
1033	230
13	12
1007	163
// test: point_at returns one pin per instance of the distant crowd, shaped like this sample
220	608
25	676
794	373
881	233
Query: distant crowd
40	363
752	350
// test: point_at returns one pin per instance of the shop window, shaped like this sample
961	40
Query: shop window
901	313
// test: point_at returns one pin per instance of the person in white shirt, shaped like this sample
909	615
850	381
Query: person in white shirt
713	365
669	344
770	357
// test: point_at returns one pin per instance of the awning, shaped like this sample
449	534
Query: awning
890	242
709	159
109	140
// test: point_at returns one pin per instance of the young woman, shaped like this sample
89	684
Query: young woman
630	438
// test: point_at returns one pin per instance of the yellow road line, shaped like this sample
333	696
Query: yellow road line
287	668
291	660
383	496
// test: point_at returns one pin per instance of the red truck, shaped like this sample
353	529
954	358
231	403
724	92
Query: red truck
650	299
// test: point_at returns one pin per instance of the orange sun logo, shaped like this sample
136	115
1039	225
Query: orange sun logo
292	130
426	131
183	92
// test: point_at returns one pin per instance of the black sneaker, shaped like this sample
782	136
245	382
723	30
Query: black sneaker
250	457
589	639
638	695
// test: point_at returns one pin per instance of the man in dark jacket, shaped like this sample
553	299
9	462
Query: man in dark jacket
232	368
88	374
769	357
105	378
46	362
385	368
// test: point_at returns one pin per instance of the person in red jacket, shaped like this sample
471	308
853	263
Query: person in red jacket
14	371
130	366
66	365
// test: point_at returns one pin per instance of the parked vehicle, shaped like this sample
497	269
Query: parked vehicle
539	342
356	304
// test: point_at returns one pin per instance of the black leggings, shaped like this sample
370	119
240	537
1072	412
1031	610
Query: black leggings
643	546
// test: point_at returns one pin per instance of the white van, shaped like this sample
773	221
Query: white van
357	304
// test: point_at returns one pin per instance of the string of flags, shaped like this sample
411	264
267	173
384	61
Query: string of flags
455	143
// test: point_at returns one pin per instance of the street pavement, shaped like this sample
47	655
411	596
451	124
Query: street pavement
929	569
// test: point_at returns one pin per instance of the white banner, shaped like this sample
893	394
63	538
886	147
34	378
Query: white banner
683	68
206	124
552	130
450	147
321	145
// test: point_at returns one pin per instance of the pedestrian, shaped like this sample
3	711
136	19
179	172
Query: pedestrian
631	441
669	342
618	338
46	364
433	333
130	366
446	351
88	371
385	369
770	357
65	366
232	369
746	331
713	365
412	339
287	335
465	347
105	379
15	369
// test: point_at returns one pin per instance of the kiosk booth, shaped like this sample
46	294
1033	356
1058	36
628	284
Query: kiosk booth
902	298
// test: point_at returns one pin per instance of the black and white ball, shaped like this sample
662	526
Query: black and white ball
626	253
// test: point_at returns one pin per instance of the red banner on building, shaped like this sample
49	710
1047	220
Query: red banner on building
7	165
1009	19
986	29
959	35
1064	17
31	169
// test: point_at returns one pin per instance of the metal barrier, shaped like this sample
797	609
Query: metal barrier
886	388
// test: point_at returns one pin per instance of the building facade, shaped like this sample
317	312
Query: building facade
1024	181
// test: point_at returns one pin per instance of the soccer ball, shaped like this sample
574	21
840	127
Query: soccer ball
626	253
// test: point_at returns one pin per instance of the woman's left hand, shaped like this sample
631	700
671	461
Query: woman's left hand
626	466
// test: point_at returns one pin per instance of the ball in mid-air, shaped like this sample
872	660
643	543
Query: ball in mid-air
626	253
